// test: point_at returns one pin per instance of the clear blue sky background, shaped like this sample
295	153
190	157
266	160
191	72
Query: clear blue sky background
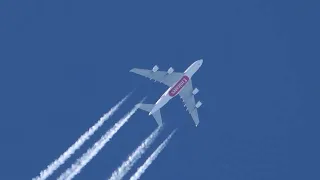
65	63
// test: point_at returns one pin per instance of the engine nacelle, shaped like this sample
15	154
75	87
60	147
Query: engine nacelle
155	68
170	70
195	91
199	103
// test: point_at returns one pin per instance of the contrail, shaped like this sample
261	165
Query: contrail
151	158
71	150
93	151
132	159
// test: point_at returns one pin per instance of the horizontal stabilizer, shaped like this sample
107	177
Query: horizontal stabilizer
148	108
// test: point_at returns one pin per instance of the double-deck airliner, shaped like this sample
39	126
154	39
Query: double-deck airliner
178	83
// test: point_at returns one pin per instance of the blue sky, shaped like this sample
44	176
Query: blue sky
63	64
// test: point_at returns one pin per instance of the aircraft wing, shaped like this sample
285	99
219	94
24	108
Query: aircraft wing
189	101
159	76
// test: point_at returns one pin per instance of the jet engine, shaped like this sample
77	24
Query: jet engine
199	103
195	91
170	70
155	68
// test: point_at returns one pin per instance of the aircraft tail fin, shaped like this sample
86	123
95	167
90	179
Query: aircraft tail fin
148	108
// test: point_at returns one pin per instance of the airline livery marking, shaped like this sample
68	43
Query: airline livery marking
178	86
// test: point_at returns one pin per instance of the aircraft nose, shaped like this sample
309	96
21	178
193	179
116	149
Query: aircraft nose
200	61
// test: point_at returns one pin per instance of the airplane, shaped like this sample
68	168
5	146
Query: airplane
178	83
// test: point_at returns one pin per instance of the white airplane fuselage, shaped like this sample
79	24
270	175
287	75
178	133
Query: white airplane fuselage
177	87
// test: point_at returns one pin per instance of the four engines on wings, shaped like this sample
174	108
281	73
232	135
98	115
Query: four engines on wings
170	71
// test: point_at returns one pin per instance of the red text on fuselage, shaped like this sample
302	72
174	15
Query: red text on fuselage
178	86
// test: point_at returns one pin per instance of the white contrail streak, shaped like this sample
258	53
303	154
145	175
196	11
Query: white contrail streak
151	158
83	138
93	151
132	159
